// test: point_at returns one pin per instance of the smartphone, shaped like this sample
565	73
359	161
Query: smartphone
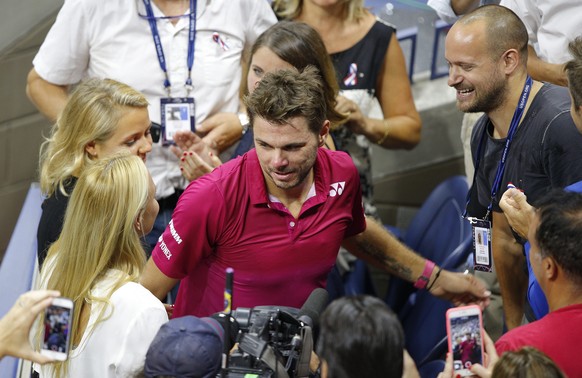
465	334
57	326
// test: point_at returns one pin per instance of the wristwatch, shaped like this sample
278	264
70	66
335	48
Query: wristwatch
244	122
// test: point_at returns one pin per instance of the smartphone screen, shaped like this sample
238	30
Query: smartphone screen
57	326
464	327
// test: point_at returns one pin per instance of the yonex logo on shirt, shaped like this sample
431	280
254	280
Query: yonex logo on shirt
337	189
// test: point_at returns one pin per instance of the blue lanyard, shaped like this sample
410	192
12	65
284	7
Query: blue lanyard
160	51
501	166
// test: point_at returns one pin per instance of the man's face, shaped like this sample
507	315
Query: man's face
286	152
473	72
535	256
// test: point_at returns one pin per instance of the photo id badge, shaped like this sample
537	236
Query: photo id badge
177	114
482	244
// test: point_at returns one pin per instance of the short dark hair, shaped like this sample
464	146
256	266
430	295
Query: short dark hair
505	30
286	94
574	72
559	233
361	337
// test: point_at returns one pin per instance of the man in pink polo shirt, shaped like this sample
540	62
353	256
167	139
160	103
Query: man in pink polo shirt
278	215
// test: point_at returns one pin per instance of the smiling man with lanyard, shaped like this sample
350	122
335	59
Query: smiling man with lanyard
526	136
191	72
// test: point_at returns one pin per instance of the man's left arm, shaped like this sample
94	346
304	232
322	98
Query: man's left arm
378	247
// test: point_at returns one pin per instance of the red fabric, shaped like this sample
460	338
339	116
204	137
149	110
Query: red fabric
225	219
557	334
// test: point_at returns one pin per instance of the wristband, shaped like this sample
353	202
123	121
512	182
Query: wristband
422	281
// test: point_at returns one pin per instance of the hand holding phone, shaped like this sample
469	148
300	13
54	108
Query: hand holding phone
465	336
57	326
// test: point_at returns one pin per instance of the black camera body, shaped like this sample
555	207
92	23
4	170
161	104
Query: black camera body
272	342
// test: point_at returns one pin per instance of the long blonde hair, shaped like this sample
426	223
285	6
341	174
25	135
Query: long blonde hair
291	9
90	115
99	234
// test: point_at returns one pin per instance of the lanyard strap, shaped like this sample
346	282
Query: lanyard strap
160	51
517	115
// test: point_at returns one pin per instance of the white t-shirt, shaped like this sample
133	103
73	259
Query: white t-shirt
117	346
108	39
551	25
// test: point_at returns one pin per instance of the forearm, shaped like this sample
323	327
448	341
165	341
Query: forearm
398	132
543	71
380	248
49	99
509	264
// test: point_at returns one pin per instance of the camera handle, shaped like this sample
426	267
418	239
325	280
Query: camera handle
303	362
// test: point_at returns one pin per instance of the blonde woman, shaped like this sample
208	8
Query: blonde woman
97	261
375	91
101	117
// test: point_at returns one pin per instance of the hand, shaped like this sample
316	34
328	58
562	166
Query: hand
189	141
220	131
461	289
15	326
193	165
356	120
517	211
448	372
196	158
491	355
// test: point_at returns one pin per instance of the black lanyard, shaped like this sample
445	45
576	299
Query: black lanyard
517	115
160	51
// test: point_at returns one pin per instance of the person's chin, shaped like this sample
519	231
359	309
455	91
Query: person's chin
284	181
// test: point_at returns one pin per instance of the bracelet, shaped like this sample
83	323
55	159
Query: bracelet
436	277
386	132
425	276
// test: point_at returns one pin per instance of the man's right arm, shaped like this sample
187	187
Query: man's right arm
155	281
48	98
509	264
